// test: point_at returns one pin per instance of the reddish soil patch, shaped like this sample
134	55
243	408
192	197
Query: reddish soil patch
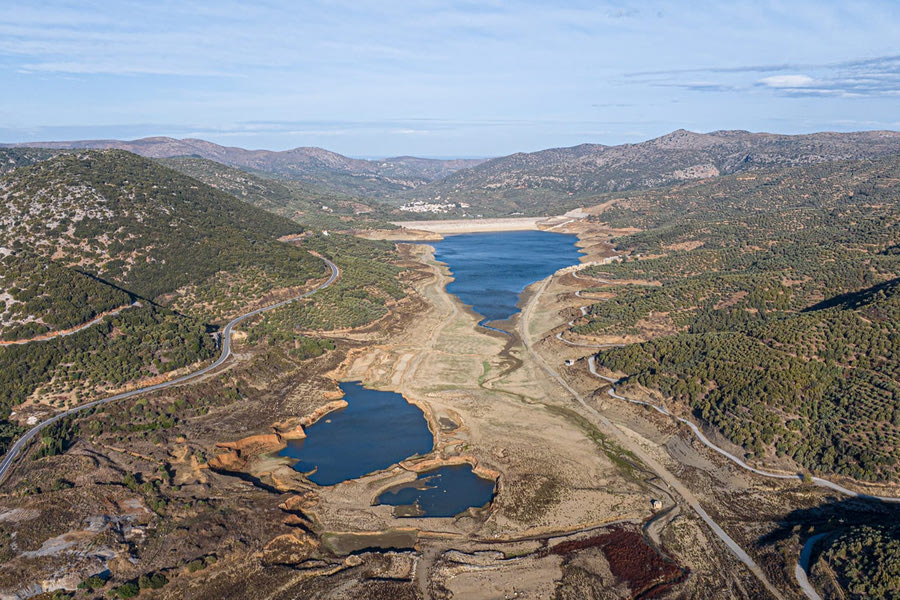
648	573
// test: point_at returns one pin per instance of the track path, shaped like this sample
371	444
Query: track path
696	430
16	449
62	333
630	444
705	441
802	567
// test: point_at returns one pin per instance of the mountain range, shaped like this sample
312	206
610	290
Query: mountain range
522	183
347	175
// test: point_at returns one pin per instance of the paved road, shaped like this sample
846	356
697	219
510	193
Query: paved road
705	441
16	449
629	444
802	569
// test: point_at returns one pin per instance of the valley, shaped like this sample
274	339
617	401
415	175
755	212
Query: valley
657	417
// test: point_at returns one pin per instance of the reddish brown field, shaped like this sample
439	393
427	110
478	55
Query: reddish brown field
648	573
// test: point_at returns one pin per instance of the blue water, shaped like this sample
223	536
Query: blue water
376	430
446	492
491	270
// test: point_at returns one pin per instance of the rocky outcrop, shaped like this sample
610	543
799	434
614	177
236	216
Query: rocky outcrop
430	464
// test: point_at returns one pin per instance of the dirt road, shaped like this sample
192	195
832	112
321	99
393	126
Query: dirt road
630	444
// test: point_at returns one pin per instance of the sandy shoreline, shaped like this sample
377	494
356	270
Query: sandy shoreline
473	225
493	224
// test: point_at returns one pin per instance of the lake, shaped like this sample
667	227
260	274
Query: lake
376	430
491	270
443	492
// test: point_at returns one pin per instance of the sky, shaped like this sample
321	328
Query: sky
443	78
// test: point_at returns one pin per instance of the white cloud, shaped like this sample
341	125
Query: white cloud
788	81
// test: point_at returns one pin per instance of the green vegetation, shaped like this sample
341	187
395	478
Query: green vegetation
126	590
301	347
149	229
87	232
198	564
139	342
866	560
152	581
778	315
56	439
95	582
45	297
303	202
12	158
369	281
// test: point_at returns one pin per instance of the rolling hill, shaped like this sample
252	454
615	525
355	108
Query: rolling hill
545	182
140	225
93	233
554	180
302	202
328	170
775	315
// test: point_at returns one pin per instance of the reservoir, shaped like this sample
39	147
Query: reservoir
376	430
491	270
443	492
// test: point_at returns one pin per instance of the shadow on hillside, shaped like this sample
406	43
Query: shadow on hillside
836	513
854	300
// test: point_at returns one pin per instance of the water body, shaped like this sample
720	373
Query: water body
491	270
443	492
376	430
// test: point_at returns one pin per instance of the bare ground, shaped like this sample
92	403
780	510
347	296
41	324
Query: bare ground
260	530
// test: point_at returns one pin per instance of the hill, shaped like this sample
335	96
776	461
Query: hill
545	182
558	179
140	225
12	158
328	170
299	201
87	234
774	318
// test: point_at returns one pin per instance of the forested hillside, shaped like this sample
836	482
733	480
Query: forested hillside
554	180
302	202
773	311
866	560
88	233
11	158
40	297
142	226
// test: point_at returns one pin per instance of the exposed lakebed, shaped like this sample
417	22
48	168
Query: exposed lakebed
378	429
491	270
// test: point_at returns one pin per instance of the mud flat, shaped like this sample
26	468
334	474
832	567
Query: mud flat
433	229
491	409
570	513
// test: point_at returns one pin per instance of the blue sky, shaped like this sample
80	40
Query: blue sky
443	78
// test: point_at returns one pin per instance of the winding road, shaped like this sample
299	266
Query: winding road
802	567
16	449
631	445
705	441
801	571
